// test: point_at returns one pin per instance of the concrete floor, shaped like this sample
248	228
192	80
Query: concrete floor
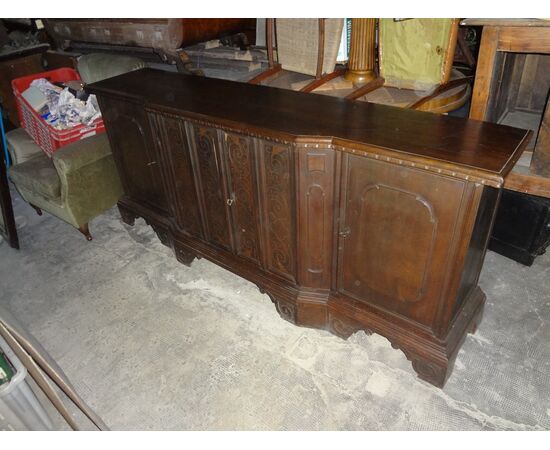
152	344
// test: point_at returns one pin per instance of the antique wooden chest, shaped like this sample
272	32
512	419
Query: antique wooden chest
350	216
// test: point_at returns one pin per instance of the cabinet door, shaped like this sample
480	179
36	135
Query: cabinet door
239	155
396	229
177	169
210	181
134	152
278	207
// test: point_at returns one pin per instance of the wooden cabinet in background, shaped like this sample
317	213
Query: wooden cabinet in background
349	216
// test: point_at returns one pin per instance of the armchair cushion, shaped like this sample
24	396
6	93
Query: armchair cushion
89	180
38	175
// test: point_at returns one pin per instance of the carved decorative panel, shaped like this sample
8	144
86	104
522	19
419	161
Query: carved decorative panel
212	186
316	186
278	203
174	149
240	159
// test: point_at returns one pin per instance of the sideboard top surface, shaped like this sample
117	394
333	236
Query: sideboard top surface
483	146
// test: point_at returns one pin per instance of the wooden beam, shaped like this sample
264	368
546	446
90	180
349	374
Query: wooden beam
268	73
524	39
365	89
484	73
540	163
521	180
270	31
6	208
440	90
320	49
324	79
450	53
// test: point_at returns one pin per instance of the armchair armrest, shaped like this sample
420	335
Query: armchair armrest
78	154
89	180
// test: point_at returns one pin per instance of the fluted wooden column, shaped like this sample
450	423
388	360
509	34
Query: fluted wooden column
362	51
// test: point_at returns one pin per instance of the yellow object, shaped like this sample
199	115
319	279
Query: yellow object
417	53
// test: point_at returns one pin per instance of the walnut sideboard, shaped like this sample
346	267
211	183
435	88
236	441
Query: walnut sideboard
350	216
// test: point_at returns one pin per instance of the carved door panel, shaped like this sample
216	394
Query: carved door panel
210	181
134	152
278	208
396	227
240	158
177	167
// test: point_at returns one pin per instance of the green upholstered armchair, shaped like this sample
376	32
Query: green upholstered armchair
80	182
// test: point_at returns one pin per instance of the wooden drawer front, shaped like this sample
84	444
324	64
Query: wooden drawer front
396	230
177	167
134	153
241	178
276	169
210	183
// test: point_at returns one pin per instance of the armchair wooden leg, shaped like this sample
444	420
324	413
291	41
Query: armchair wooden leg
37	209
84	229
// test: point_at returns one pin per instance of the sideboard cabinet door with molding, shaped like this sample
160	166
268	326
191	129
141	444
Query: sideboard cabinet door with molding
134	153
397	226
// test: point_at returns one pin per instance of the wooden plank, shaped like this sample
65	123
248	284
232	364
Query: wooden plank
324	79
506	22
521	180
524	39
440	90
527	83
270	24
366	88
484	73
265	74
320	49
450	53
8	228
540	164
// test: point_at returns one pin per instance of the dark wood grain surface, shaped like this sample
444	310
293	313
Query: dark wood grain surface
484	146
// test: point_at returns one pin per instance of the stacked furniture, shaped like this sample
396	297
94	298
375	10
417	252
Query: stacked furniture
80	181
512	85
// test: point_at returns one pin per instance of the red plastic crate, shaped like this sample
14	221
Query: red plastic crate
47	137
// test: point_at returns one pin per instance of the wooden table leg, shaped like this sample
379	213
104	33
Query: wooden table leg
484	72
